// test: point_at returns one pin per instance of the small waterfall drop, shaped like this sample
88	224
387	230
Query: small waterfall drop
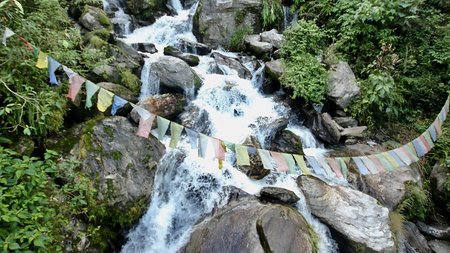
122	22
289	17
150	82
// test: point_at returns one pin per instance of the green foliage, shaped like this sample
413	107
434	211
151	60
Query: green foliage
130	80
303	37
272	12
237	39
396	221
416	203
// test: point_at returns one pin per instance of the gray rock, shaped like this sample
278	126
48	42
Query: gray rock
165	105
196	119
250	226
216	21
438	231
145	47
354	131
287	142
94	18
190	59
176	74
358	219
255	170
256	47
126	56
121	164
346	121
120	91
130	53
342	85
326	129
274	71
233	64
438	178
273	37
414	240
389	188
278	195
193	47
105	73
439	246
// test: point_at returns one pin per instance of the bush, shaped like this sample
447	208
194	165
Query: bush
303	37
272	12
237	39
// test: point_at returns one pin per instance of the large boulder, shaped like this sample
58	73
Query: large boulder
176	75
255	170
322	125
94	18
189	46
250	226
439	246
360	223
196	119
257	47
287	142
273	70
165	105
273	37
438	179
278	195
145	47
216	21
342	85
147	10
414	241
190	59
438	231
233	64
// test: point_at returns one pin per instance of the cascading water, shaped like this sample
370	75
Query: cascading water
122	22
186	190
289	17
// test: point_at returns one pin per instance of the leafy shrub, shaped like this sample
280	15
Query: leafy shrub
416	203
272	12
303	37
237	39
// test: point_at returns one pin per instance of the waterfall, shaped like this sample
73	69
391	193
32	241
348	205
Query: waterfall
289	17
122	22
186	187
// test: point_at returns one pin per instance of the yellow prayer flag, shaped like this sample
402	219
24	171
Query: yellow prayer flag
302	164
104	99
42	60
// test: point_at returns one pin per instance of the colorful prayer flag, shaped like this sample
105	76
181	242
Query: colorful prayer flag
104	99
91	89
323	163
219	149
343	165
265	159
6	34
175	133
202	145
410	148
290	162
193	138
118	103
378	165
163	125
432	131
69	72
230	145
302	164
438	127
398	160
361	166
75	86
335	166
42	60
428	139
279	160
385	163
53	65
145	126
242	158
314	164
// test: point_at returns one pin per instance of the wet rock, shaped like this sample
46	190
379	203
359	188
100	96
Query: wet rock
196	119
120	91
360	223
257	47
324	127
175	74
251	226
439	246
146	10
233	64
438	179
438	231
354	131
94	18
255	170
278	195
165	105
414	240
193	47
273	37
145	47
342	85
190	59
287	142
276	126
390	187
126	57
105	73
346	121
216	21
273	70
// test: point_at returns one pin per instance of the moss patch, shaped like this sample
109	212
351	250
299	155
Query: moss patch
130	80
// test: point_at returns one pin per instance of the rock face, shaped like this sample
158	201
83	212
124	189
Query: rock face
176	74
196	119
94	18
233	64
414	240
273	70
146	10
190	59
439	246
287	142
250	226
257	47
437	231
438	178
145	47
216	21
389	188
273	37
255	170
121	164
342	85
361	224
323	126
165	105
278	195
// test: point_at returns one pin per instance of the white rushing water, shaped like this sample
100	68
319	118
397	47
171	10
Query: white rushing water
122	22
185	190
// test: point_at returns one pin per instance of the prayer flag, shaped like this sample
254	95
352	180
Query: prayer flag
202	145
393	159
265	159
432	131
218	148
446	106
91	89
343	165
403	154
26	43
69	72
175	133
53	65
141	111
302	164
230	145
323	163
428	139
6	34
335	166
42	60
118	103
369	165
163	125
290	162
75	85
438	127
410	148
279	160
242	157
378	165
386	164
193	138
145	126
104	99
360	165
314	164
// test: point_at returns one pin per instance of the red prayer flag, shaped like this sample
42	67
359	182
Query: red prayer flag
218	148
335	166
145	126
424	141
282	165
75	85
377	163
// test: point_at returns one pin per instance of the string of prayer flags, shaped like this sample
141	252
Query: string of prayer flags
242	158
104	99
265	159
145	126
163	125
428	139
335	166
118	103
302	164
219	149
7	34
290	162
91	89
202	145
75	85
360	165
193	138
42	60
280	162
175	134
53	65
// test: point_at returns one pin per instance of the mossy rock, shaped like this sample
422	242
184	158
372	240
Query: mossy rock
130	81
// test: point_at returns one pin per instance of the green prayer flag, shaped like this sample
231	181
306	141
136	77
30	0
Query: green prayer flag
391	160
386	164
290	162
163	125
229	145
265	159
343	165
242	157
175	133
